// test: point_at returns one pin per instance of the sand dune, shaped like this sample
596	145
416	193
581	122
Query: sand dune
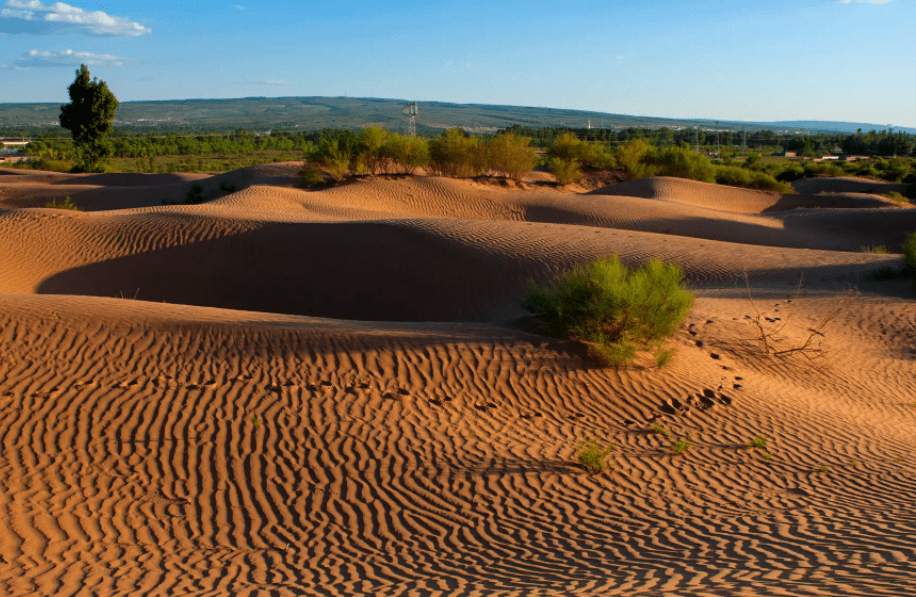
317	393
846	184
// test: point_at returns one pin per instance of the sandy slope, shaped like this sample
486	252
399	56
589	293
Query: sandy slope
168	449
846	184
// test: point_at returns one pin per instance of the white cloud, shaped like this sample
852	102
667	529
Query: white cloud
238	7
36	59
265	82
31	16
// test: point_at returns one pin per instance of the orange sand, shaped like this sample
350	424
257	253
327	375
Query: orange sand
323	393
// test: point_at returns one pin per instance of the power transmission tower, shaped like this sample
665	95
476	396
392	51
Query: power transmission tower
411	112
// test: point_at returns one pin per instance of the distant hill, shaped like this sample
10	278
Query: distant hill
309	113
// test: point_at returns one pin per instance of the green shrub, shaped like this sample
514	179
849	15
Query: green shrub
663	356
311	176
682	446
876	249
67	203
405	154
617	310
790	172
371	156
765	182
567	171
658	429
335	157
758	443
592	452
734	176
568	154
684	163
454	154
635	158
511	155
909	250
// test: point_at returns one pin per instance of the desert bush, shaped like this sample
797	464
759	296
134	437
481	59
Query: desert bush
566	170
875	249
663	357
790	172
733	176
598	157
893	170
568	154
370	153
683	163
682	446
511	155
592	452
758	443
616	310
909	250
405	154
67	203
568	147
335	158
635	158
311	175
765	182
454	154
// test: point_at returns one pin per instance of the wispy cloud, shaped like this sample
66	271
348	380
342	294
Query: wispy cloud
864	1
36	59
238	7
270	82
31	16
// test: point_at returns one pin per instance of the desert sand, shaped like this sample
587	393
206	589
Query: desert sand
284	392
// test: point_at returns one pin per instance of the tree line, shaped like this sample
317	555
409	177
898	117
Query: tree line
871	143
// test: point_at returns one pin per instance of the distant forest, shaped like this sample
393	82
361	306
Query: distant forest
134	144
871	143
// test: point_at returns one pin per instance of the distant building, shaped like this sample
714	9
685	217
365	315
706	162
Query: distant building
13	143
786	154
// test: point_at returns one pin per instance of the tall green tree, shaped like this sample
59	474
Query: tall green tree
88	116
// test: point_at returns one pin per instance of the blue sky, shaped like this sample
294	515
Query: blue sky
736	60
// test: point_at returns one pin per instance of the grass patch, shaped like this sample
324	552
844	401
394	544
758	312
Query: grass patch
592	452
682	446
663	357
896	197
758	443
615	310
876	249
67	203
659	430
